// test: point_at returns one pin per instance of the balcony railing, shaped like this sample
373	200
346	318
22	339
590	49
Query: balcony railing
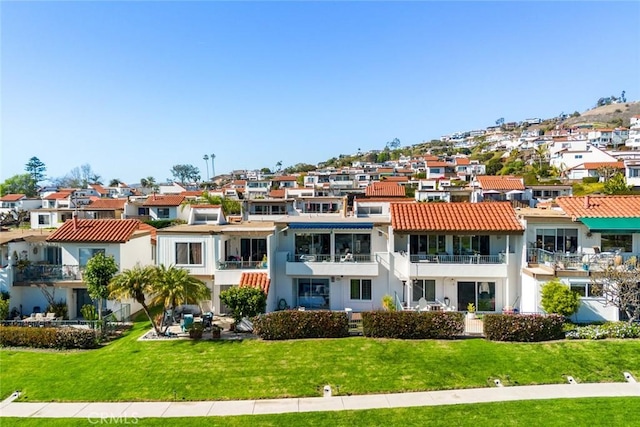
579	260
460	259
48	273
240	265
329	258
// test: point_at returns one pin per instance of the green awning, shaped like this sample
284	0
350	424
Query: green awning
612	225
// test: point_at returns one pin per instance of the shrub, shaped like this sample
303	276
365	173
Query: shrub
89	312
559	298
60	309
244	301
590	179
60	338
412	324
4	308
523	327
294	324
607	330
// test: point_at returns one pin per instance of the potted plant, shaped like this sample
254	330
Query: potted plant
215	331
471	311
195	331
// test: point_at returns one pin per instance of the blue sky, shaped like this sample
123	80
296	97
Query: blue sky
133	88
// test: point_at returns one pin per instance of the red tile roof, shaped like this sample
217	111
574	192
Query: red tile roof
284	178
506	182
385	189
106	204
598	165
462	217
195	193
436	164
151	229
12	197
58	196
95	230
395	178
99	188
462	161
168	200
600	206
255	280
277	194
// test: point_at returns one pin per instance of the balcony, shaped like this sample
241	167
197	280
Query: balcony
331	265
581	261
47	273
462	265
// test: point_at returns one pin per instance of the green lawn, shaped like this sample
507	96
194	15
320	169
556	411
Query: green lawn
560	412
128	369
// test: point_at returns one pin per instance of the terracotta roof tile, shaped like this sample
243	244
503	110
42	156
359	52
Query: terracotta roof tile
195	193
598	165
506	182
462	217
462	161
255	280
436	164
106	204
286	178
395	178
95	230
151	229
277	194
99	188
168	200
59	195
11	197
600	206
385	189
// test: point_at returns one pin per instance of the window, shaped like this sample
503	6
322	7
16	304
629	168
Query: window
143	211
369	210
422	244
312	292
557	239
43	219
357	244
188	253
424	289
85	254
481	294
361	289
163	213
205	217
584	289
471	245
614	242
313	244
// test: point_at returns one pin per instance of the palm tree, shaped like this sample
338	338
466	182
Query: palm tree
174	286
136	284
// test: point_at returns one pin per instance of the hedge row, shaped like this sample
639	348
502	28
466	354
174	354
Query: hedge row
608	330
60	338
523	327
412	324
294	324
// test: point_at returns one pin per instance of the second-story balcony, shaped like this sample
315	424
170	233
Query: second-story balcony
47	273
582	261
460	259
332	264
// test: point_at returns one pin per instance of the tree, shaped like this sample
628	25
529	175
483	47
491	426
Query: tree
136	284
279	166
36	169
114	182
174	286
19	184
184	173
97	275
616	185
500	121
394	144
149	182
229	206
78	177
244	301
619	285
559	298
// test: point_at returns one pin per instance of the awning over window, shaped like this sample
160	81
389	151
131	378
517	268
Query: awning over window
612	225
330	225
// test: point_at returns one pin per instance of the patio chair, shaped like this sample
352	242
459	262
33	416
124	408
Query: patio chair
423	305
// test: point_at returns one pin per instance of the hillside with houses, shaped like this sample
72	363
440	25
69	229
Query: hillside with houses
482	217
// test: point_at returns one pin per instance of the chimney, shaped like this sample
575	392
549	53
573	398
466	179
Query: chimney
586	202
75	222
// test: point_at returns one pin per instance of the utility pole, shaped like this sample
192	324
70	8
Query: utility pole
213	169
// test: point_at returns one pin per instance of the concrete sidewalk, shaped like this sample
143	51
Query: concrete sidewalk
124	410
